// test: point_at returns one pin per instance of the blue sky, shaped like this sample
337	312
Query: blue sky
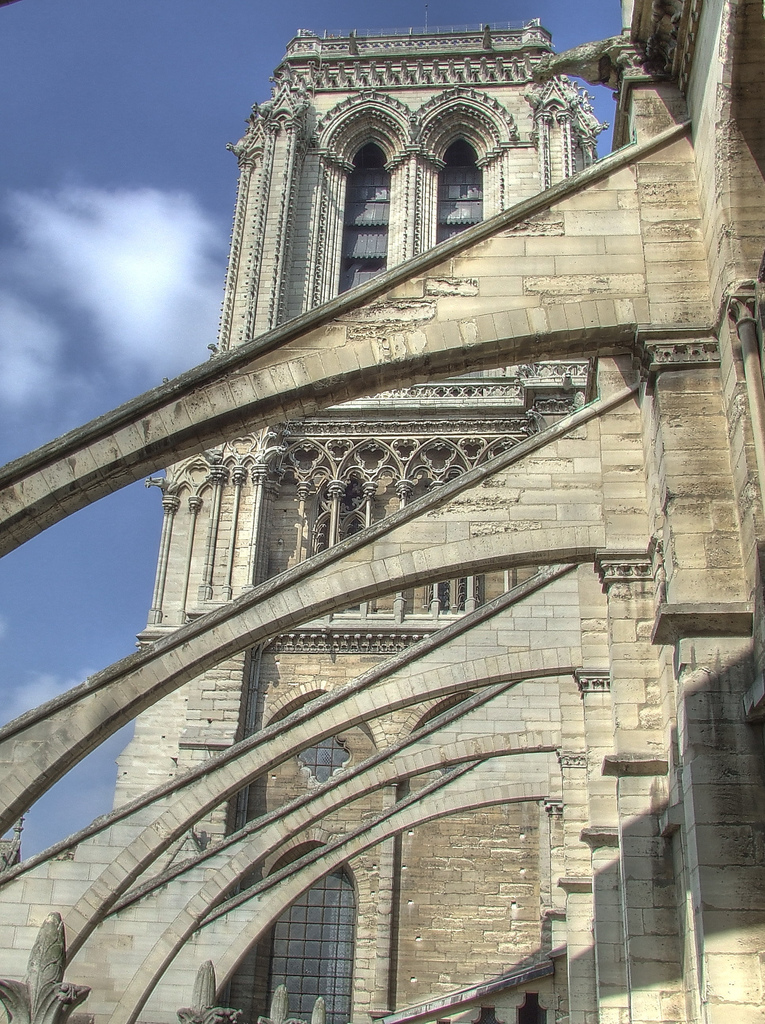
116	195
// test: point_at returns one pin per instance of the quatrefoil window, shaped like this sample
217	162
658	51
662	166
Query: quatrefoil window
325	757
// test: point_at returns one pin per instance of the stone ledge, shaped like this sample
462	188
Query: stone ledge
671	820
634	765
675	621
600	835
575	883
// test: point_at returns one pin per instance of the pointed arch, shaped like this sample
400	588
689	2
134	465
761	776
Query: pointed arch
467	114
369	117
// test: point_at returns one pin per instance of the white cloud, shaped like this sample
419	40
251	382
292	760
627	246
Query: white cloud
30	345
35	690
108	285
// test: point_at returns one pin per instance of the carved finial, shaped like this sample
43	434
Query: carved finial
280	1010
204	1010
43	997
319	1015
279	1005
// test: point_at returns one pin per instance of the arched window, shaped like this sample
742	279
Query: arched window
367	212
340	512
312	949
460	190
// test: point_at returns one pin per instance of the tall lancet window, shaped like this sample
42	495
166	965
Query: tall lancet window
312	949
367	212
460	190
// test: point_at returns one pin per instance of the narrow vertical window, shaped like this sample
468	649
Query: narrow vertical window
367	212
312	951
460	190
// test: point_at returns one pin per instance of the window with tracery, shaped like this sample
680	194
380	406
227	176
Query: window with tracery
324	757
312	949
341	512
367	213
460	190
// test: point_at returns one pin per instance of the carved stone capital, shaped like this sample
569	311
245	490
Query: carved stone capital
554	808
569	759
623	567
195	504
590	681
170	504
741	306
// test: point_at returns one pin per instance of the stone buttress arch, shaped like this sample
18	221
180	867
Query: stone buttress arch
226	876
223	780
444	800
318	359
350	572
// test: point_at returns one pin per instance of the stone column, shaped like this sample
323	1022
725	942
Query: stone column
301	549
401	230
576	883
404	490
742	313
566	145
294	152
195	504
639	763
335	490
602	837
218	477
426	205
170	505
246	305
542	128
259	473
238	477
325	256
247	164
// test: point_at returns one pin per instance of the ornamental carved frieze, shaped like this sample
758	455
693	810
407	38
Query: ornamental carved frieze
338	642
683	354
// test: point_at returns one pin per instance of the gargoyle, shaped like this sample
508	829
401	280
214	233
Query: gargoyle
599	63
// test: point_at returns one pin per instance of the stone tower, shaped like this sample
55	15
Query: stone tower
370	151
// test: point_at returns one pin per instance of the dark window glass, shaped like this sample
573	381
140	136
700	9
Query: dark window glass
324	758
367	213
316	959
460	191
531	1012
